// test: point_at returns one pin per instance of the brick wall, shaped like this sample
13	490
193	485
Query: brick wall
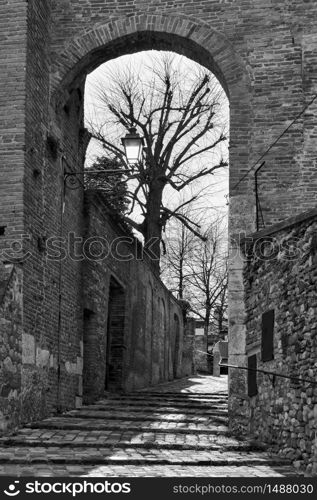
281	275
134	327
13	49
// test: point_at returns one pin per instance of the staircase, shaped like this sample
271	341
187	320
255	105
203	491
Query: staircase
150	433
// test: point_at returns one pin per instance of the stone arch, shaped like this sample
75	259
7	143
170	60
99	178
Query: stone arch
195	39
124	35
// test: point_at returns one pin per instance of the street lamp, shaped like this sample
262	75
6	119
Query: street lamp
133	146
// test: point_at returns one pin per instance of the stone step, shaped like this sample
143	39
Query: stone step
134	426
125	420
162	402
159	397
145	470
121	434
155	405
134	456
148	430
176	395
174	417
103	412
146	442
164	395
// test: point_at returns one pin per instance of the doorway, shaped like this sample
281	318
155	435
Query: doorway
115	337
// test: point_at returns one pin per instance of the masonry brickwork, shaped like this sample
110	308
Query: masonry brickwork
127	305
264	54
281	275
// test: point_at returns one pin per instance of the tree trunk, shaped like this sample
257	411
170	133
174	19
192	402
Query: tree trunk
181	280
206	328
181	264
220	320
153	228
207	320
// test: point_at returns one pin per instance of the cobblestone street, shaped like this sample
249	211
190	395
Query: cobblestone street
175	429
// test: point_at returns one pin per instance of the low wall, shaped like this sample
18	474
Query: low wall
280	278
134	331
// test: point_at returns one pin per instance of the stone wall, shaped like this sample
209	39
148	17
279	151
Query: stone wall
10	346
281	275
187	366
201	358
134	335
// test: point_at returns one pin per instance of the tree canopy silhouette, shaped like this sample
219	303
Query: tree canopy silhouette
180	119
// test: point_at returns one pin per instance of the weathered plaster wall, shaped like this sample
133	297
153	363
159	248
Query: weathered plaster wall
151	349
281	274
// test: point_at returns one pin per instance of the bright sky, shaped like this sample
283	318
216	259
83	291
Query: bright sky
215	187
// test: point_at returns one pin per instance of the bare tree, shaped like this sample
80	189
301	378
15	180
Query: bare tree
209	276
179	244
198	272
182	127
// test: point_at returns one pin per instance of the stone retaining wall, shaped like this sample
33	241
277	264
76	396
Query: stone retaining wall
10	345
281	275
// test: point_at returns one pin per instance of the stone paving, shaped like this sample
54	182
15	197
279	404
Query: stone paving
175	429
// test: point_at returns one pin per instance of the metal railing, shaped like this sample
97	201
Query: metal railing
266	372
273	374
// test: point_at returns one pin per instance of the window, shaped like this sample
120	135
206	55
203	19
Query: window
268	335
252	378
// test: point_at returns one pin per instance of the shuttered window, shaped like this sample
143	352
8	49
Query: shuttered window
252	376
268	335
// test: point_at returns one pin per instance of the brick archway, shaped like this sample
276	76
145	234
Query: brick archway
202	43
196	40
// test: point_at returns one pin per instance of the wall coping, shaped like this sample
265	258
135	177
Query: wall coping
285	224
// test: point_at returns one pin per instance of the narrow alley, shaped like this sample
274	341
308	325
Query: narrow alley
175	429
